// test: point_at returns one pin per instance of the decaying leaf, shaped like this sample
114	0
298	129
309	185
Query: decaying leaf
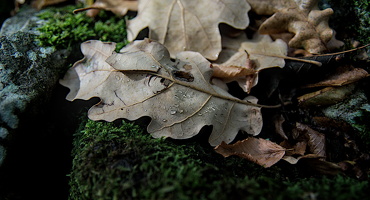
183	25
257	150
344	75
262	53
298	148
339	85
302	18
142	80
118	7
278	123
315	140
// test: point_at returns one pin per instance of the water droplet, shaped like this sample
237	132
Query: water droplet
181	111
173	112
200	114
153	66
145	110
164	120
118	78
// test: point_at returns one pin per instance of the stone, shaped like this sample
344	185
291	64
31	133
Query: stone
28	73
348	110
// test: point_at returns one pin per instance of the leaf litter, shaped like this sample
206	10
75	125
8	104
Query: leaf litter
168	77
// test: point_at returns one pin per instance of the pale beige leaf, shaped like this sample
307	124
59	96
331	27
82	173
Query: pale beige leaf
292	160
38	4
93	70
304	19
262	50
118	7
183	25
177	95
257	150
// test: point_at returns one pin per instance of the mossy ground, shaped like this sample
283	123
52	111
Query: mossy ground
121	161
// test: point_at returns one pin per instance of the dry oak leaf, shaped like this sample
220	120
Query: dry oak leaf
188	25
118	7
257	150
261	50
339	85
300	17
326	96
142	80
343	76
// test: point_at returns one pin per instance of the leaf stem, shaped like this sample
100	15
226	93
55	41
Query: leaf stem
182	83
293	58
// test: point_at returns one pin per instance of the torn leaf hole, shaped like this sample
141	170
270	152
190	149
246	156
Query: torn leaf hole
183	76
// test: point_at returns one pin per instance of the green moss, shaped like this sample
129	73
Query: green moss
123	162
351	18
62	28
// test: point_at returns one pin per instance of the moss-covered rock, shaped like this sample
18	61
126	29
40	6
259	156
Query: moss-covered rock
122	162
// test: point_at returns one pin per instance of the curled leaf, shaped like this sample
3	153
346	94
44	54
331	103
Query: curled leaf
326	96
302	18
345	76
315	140
262	53
257	150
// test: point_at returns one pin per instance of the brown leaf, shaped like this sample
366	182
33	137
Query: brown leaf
298	148
257	150
344	76
142	80
326	96
231	71
188	25
316	140
316	163
303	18
278	122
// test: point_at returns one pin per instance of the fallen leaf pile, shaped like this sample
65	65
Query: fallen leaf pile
180	75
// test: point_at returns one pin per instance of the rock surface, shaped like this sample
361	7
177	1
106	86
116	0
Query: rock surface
28	73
